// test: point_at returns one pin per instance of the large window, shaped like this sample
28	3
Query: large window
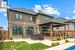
18	16
17	30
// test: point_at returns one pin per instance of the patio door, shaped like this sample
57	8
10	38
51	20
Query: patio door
17	31
29	31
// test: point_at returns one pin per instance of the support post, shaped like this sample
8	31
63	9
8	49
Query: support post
51	29
68	29
65	29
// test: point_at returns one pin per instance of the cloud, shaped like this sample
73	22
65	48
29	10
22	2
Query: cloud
73	17
8	7
50	10
73	11
3	10
44	6
46	9
67	17
5	14
37	8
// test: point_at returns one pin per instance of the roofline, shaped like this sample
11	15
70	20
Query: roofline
69	21
20	11
52	23
59	24
44	15
31	14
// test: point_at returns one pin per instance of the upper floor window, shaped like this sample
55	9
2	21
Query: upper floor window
19	16
32	18
46	19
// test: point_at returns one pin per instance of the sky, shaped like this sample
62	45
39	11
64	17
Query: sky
55	8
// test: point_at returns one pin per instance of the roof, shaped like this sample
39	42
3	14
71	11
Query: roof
73	21
44	14
55	24
66	20
70	21
61	20
27	11
23	10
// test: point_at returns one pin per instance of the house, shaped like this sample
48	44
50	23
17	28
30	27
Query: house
24	23
69	27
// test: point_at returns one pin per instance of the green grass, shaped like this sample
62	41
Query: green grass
39	46
22	46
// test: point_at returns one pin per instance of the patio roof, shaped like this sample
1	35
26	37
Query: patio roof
55	24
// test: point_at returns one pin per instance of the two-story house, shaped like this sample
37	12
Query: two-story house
23	22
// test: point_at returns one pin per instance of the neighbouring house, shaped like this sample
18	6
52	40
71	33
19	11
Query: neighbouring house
3	34
69	27
24	23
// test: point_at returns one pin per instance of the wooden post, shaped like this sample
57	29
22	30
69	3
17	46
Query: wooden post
65	29
68	29
51	29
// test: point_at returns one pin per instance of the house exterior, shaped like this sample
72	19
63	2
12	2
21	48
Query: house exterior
69	27
23	23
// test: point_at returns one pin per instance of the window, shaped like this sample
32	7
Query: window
46	19
19	16
32	18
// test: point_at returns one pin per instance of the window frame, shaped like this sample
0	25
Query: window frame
18	16
32	18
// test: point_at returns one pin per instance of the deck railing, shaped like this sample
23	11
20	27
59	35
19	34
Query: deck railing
70	33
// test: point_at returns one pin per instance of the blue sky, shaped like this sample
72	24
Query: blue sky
64	7
61	8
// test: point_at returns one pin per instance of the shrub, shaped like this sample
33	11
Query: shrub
58	38
66	36
55	38
55	44
66	41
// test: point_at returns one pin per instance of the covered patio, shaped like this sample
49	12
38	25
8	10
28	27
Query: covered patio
48	29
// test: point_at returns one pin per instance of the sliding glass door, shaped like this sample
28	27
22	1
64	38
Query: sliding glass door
17	30
29	31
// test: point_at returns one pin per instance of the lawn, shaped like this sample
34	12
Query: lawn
22	46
